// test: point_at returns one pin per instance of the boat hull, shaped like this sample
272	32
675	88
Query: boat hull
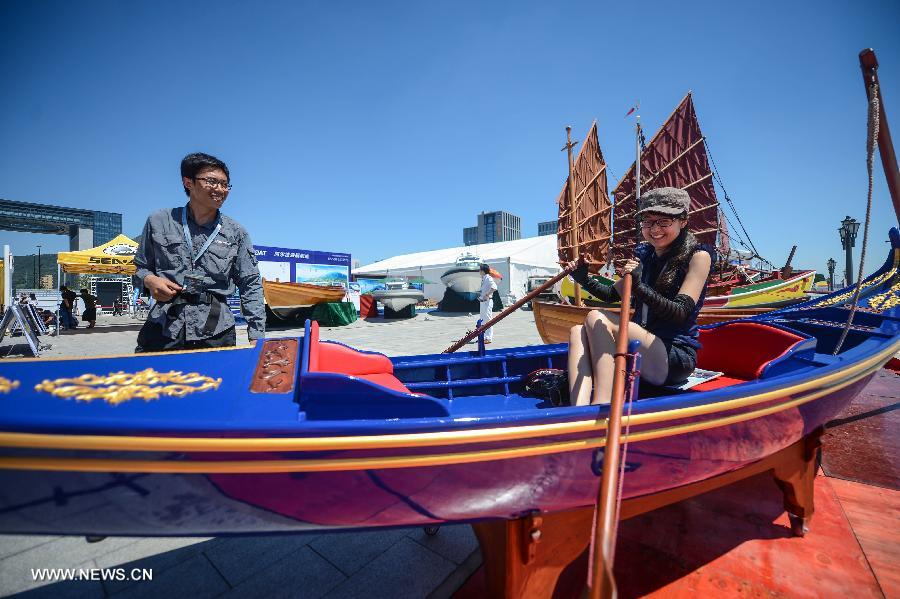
276	493
772	293
398	299
766	294
554	320
464	281
287	300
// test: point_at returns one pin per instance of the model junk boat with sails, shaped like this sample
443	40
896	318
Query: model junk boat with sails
308	434
606	233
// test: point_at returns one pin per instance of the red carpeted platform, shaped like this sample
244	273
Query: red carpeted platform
863	443
737	542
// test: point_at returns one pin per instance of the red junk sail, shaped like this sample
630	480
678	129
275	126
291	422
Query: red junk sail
675	157
590	220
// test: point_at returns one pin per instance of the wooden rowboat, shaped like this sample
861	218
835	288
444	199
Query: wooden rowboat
285	300
773	292
555	320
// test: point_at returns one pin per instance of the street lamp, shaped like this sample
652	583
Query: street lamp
848	230
831	264
39	268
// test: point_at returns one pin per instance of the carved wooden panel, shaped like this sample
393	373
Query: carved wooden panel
276	367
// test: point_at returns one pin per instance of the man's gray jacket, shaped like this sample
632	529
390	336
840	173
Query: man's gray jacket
229	262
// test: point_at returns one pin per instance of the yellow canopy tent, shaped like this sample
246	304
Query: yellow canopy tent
115	257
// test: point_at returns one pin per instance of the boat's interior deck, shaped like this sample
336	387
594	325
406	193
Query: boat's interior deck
338	381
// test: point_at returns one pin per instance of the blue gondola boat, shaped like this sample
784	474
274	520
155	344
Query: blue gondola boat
303	434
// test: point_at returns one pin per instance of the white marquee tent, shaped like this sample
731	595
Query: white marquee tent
515	260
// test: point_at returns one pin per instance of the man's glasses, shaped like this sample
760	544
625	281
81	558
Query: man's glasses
211	183
662	223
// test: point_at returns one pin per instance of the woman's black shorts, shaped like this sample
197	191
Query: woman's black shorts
682	361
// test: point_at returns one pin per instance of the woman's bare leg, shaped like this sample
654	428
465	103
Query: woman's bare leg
602	328
601	343
580	380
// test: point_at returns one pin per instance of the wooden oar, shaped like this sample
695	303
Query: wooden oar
603	584
472	334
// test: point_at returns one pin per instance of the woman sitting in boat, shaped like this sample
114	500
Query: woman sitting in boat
669	274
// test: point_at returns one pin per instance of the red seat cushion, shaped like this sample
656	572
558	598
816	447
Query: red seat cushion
340	359
313	346
717	383
742	349
334	357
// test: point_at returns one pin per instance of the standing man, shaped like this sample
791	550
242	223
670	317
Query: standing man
89	314
190	259
66	305
488	287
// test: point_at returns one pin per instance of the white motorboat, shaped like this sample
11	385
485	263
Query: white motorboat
465	276
398	295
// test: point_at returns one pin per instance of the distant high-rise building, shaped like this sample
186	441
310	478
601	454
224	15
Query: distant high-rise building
470	235
493	227
549	227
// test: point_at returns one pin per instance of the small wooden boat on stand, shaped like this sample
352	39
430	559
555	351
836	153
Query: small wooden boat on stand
554	320
286	300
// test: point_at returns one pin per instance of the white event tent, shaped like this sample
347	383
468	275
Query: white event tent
514	260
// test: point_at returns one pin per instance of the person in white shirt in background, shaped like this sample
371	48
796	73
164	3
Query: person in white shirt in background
488	287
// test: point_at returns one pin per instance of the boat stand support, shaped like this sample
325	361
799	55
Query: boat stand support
524	557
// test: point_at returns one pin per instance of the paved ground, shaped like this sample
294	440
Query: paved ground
384	563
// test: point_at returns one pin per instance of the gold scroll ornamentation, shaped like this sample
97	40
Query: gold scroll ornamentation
839	299
7	385
119	387
886	300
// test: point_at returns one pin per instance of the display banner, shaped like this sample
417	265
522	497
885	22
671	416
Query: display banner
291	265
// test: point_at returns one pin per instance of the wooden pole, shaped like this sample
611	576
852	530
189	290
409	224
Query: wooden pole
472	334
869	65
573	207
603	584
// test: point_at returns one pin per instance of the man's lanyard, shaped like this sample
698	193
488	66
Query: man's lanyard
190	241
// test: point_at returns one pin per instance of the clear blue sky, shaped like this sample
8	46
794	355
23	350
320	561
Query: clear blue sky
382	128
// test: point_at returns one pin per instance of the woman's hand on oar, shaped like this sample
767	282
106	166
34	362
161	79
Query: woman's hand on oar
632	266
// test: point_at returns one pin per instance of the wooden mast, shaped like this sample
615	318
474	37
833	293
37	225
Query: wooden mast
572	206
869	65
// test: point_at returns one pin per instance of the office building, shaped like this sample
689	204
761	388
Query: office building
493	227
549	227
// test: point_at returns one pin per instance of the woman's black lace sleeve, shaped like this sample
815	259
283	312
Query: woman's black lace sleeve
607	293
676	310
